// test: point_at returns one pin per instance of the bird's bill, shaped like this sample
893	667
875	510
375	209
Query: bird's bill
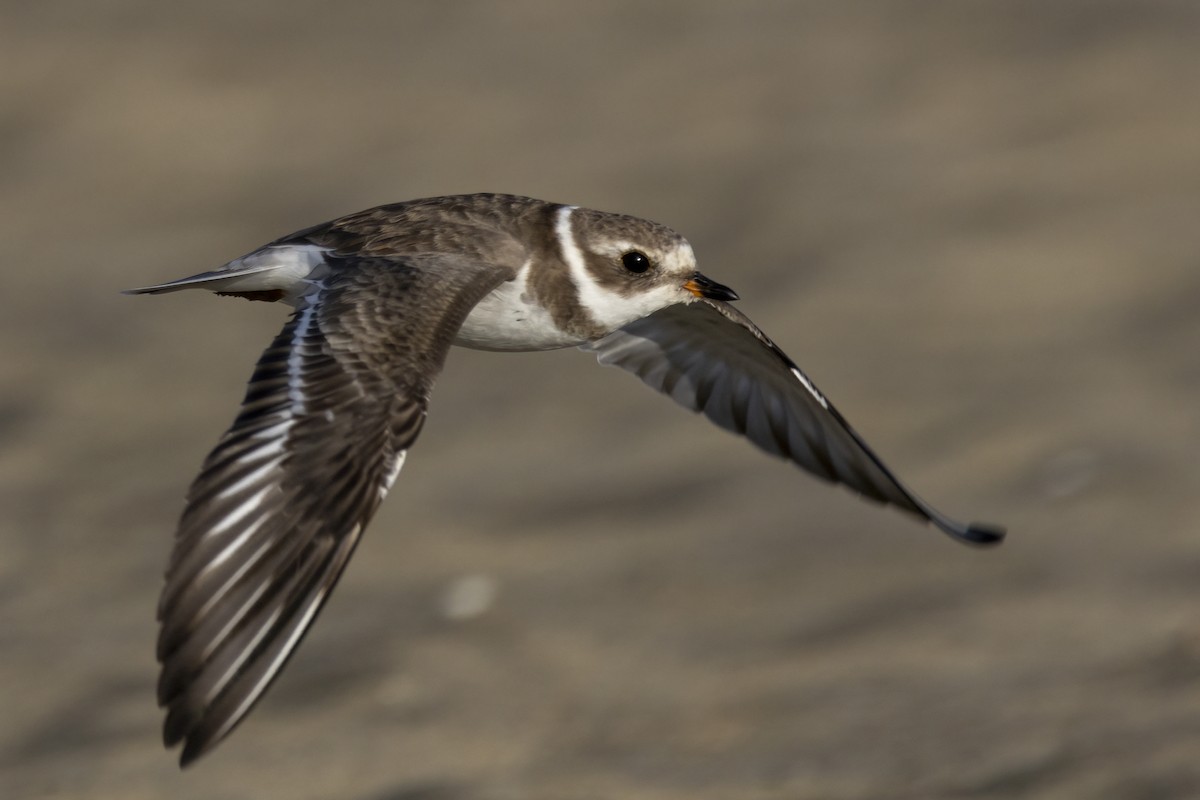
706	287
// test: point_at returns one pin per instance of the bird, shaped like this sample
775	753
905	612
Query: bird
341	394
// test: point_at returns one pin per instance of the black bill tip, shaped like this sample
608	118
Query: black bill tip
706	287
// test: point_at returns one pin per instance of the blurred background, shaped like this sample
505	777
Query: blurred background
974	225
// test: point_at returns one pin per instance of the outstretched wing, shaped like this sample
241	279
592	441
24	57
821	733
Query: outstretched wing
331	410
709	357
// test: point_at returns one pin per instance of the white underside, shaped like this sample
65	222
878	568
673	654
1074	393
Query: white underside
511	319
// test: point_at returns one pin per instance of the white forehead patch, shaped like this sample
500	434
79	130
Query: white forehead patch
607	308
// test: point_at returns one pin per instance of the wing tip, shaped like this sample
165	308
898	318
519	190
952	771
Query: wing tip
192	750
190	731
980	534
983	534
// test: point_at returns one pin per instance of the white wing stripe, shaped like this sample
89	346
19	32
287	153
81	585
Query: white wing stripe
295	359
299	626
251	476
390	478
800	376
228	550
246	650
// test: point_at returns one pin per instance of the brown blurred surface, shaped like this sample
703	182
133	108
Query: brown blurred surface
976	225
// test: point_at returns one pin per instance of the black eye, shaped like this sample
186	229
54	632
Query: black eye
635	261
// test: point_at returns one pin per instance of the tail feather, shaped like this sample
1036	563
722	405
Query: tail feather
269	273
246	279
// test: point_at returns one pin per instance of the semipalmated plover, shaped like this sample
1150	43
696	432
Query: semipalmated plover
341	394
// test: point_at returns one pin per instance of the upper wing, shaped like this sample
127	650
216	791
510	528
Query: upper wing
280	503
710	357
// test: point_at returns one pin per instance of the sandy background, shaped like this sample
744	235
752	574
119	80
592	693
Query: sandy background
977	226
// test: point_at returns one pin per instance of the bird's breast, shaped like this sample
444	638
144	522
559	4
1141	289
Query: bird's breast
512	318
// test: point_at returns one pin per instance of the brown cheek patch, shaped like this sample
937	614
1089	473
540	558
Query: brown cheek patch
604	273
